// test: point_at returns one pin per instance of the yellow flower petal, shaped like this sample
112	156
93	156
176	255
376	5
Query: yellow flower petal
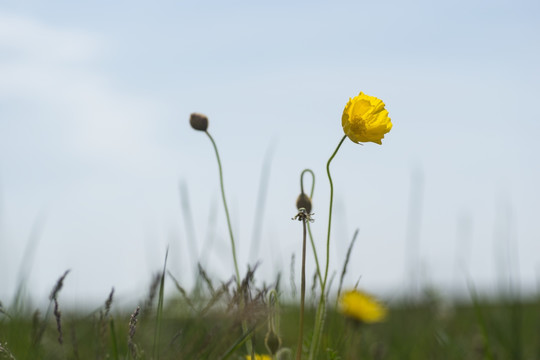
362	307
365	119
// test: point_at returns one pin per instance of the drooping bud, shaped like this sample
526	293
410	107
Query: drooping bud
198	121
272	342
304	201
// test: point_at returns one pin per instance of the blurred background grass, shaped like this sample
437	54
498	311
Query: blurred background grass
207	325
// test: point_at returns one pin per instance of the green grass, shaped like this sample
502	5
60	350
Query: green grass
210	328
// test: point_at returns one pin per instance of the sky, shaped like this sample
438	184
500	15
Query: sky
95	143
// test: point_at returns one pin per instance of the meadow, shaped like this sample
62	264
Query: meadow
312	317
206	324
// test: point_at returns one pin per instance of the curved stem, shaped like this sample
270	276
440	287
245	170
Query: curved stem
249	344
312	181
238	281
321	308
330	211
309	227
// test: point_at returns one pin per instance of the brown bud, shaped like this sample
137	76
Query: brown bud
304	201
198	121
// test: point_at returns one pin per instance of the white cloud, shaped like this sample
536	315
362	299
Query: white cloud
28	38
71	136
50	69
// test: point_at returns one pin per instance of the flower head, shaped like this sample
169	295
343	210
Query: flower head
361	307
365	119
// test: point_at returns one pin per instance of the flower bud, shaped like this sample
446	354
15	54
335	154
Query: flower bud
272	342
198	121
304	201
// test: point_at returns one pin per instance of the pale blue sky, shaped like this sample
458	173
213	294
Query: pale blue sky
94	105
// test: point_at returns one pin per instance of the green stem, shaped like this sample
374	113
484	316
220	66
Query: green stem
159	314
238	281
319	324
321	308
315	256
312	181
309	227
302	294
330	211
249	345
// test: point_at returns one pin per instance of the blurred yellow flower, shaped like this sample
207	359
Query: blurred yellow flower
361	306
365	119
259	357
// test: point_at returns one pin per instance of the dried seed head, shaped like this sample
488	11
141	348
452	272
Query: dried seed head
304	201
272	342
198	121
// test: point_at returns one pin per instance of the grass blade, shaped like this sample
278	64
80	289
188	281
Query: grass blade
159	314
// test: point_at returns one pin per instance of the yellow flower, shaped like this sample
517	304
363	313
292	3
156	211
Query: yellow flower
365	119
259	357
361	306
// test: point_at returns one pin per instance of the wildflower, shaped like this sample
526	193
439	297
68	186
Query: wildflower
365	119
362	307
259	357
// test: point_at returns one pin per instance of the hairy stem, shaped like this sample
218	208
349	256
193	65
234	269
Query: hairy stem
238	281
302	293
249	345
330	211
321	308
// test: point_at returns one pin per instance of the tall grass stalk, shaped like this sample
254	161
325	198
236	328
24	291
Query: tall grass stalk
260	204
132	348
159	314
210	235
190	227
52	300
346	263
